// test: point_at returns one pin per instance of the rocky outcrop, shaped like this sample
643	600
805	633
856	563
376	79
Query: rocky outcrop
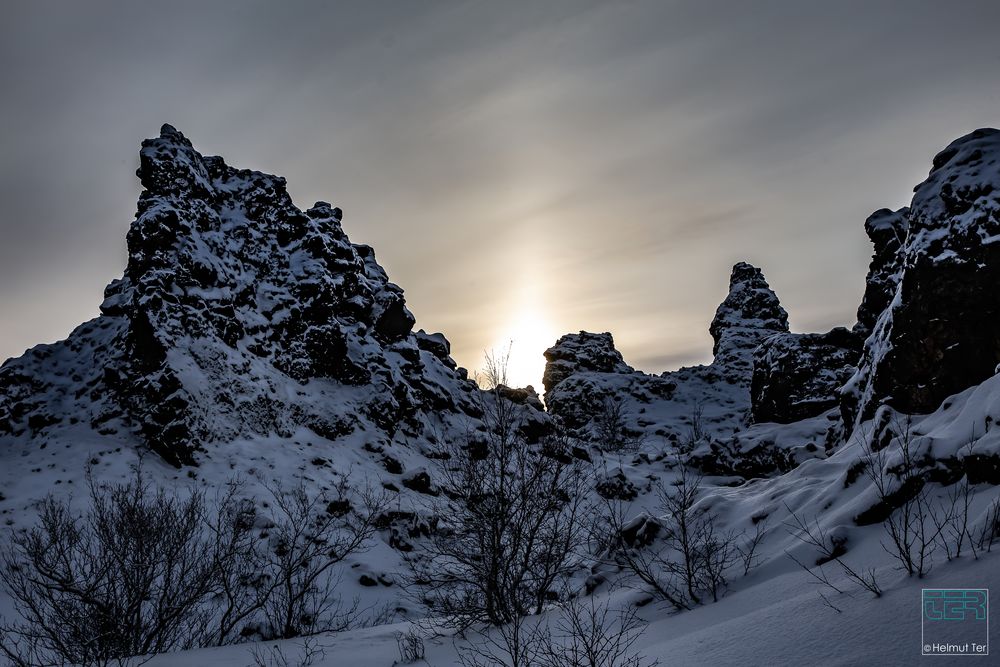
238	316
941	331
582	352
749	314
887	231
796	376
584	375
591	389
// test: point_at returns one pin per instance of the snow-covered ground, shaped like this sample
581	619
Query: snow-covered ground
778	614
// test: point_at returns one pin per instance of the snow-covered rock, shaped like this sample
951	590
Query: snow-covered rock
887	231
941	331
796	376
238	314
582	352
749	315
591	389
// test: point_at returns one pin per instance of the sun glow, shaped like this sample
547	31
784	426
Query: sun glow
524	341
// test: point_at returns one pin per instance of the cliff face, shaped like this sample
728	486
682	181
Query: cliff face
797	376
940	333
887	231
238	315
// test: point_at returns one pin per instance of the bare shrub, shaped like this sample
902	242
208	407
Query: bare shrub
589	634
516	644
688	556
410	645
612	428
584	634
274	655
990	530
135	575
514	524
144	571
748	550
914	523
312	533
830	549
952	521
696	429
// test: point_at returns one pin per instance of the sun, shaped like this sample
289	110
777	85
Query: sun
523	341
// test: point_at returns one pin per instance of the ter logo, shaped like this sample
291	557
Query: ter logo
955	621
955	605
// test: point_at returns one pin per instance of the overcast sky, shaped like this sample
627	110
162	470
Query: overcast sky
522	169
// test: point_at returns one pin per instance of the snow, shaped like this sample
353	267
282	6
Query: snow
774	616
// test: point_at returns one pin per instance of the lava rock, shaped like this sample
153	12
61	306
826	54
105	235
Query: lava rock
940	334
796	376
887	231
585	351
749	314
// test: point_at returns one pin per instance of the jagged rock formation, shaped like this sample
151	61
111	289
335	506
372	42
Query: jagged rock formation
582	352
594	392
797	376
748	316
887	231
238	316
579	371
941	331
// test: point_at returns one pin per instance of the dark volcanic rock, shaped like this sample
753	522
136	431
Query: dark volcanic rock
749	314
796	376
582	352
592	391
887	231
941	332
238	316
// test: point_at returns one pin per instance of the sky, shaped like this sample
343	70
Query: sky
523	169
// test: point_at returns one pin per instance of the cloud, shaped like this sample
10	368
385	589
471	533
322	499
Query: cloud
612	160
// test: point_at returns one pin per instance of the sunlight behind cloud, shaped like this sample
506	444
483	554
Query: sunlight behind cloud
527	336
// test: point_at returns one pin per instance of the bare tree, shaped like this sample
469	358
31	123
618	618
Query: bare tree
513	522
